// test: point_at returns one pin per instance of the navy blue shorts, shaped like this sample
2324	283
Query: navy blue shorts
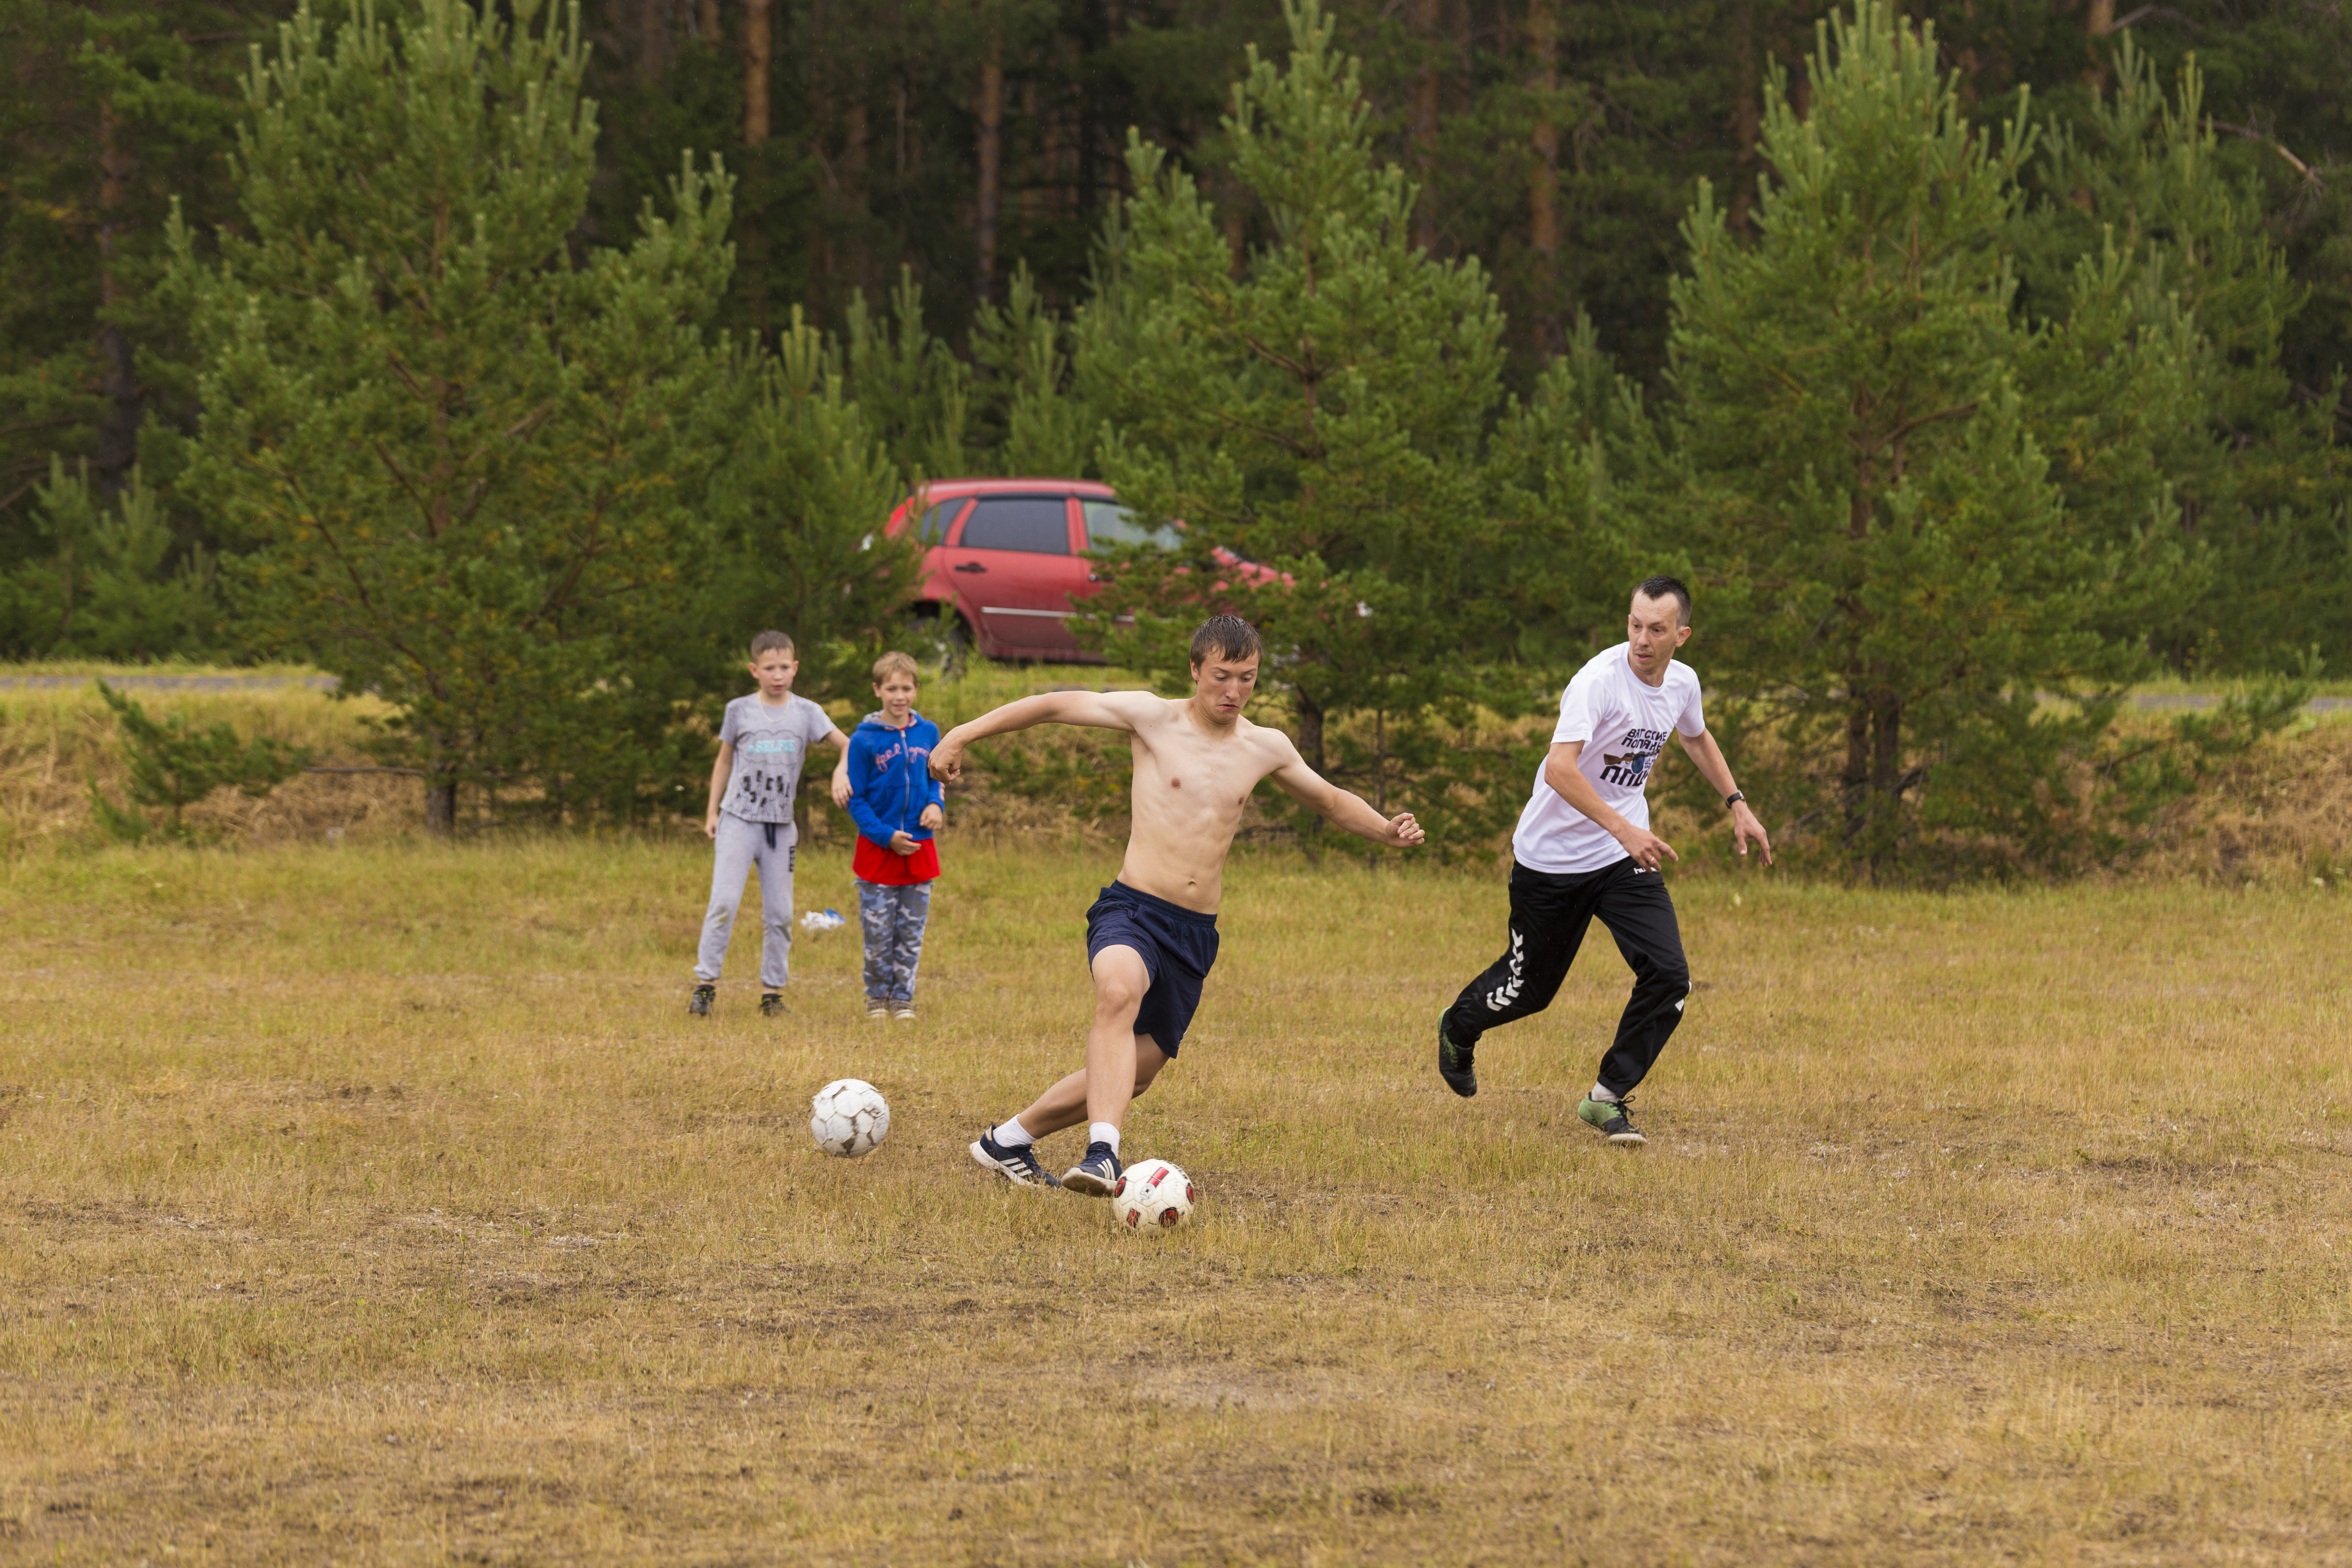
1177	944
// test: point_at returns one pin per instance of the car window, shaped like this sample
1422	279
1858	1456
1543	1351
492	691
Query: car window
933	529
1107	522
1036	525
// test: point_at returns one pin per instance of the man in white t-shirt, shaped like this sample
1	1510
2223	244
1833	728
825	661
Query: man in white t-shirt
1584	849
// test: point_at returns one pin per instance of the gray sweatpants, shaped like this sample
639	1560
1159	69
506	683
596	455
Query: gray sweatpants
740	845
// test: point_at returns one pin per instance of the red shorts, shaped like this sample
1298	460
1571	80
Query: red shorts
873	863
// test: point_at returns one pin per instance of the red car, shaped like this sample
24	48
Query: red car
1007	556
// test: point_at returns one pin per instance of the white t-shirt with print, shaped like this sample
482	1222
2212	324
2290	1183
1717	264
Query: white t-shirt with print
770	744
1623	722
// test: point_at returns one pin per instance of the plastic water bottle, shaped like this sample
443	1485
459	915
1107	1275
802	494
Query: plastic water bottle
825	920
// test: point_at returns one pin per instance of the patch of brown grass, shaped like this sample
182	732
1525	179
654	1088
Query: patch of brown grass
55	741
384	1206
2282	813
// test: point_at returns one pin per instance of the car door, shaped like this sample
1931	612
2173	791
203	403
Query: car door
934	527
1014	563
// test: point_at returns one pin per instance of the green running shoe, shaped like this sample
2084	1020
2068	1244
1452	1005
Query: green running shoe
1456	1063
1610	1118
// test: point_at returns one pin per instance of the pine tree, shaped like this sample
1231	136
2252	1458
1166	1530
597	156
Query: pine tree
2263	491
912	389
1891	573
114	108
799	505
174	764
1029	415
1316	405
464	464
105	582
1576	470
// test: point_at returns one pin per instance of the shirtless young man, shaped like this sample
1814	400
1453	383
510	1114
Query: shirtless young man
1152	934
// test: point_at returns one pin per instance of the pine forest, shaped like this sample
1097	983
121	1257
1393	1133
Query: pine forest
1974	361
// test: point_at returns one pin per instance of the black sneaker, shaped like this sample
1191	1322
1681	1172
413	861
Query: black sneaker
1096	1175
1016	1163
1456	1063
772	1004
699	1002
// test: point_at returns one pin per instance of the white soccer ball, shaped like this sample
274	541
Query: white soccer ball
1151	1195
848	1118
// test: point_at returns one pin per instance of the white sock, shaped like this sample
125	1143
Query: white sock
1599	1093
1103	1133
1011	1134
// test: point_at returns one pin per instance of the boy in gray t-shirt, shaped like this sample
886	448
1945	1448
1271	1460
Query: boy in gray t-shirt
763	742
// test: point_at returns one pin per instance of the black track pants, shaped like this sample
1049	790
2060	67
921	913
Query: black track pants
1548	916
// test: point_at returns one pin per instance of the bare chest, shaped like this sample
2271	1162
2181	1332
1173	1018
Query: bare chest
1184	775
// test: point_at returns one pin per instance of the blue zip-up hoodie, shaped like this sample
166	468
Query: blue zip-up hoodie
890	778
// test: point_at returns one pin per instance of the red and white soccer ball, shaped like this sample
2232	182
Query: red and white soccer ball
1151	1195
848	1118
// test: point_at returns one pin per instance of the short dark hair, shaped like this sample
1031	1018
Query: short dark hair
768	642
1662	586
1227	637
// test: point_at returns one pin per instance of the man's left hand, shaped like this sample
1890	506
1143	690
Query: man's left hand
1404	832
1744	827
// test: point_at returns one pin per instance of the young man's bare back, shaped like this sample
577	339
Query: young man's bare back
1151	936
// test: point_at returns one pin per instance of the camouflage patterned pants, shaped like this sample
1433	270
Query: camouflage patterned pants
893	918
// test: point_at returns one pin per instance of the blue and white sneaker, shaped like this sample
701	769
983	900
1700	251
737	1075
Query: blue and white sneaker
1097	1175
1016	1163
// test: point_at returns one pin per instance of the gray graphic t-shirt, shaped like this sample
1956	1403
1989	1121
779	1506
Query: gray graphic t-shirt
770	744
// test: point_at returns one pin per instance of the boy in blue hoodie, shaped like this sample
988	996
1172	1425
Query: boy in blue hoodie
897	805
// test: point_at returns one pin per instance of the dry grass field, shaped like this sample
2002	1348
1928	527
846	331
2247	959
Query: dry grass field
382	1206
58	739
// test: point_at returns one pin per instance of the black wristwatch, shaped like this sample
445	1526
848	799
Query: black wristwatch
1734	799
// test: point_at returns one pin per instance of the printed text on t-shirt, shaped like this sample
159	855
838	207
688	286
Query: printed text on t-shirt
1630	766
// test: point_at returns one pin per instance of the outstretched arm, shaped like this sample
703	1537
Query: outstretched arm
1339	807
1707	757
1096	709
